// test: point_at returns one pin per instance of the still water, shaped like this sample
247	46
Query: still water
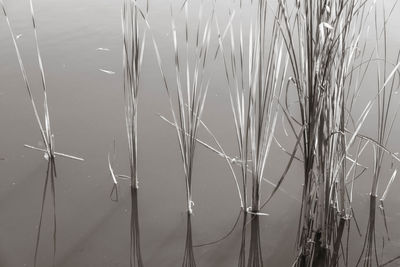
86	109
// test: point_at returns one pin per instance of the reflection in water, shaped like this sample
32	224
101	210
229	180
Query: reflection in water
188	257
369	254
242	252
135	252
49	182
320	255
135	257
334	259
255	253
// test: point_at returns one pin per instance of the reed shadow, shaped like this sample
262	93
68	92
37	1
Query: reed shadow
255	253
188	256
49	185
369	251
255	258
242	251
135	249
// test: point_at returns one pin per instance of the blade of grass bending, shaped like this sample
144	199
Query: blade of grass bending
286	169
223	237
111	170
285	150
114	190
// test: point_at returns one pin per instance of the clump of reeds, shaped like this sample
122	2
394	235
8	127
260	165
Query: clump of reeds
323	42
45	128
192	83
134	38
133	46
256	77
45	131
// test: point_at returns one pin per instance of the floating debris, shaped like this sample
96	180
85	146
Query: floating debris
102	49
107	71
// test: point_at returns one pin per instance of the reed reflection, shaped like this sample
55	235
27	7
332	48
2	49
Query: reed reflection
135	250
188	256
49	188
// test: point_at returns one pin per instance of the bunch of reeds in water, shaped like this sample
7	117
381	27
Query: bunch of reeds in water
329	64
133	47
255	70
322	42
191	84
134	27
45	127
45	131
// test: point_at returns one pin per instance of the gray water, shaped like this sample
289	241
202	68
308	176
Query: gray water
86	109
